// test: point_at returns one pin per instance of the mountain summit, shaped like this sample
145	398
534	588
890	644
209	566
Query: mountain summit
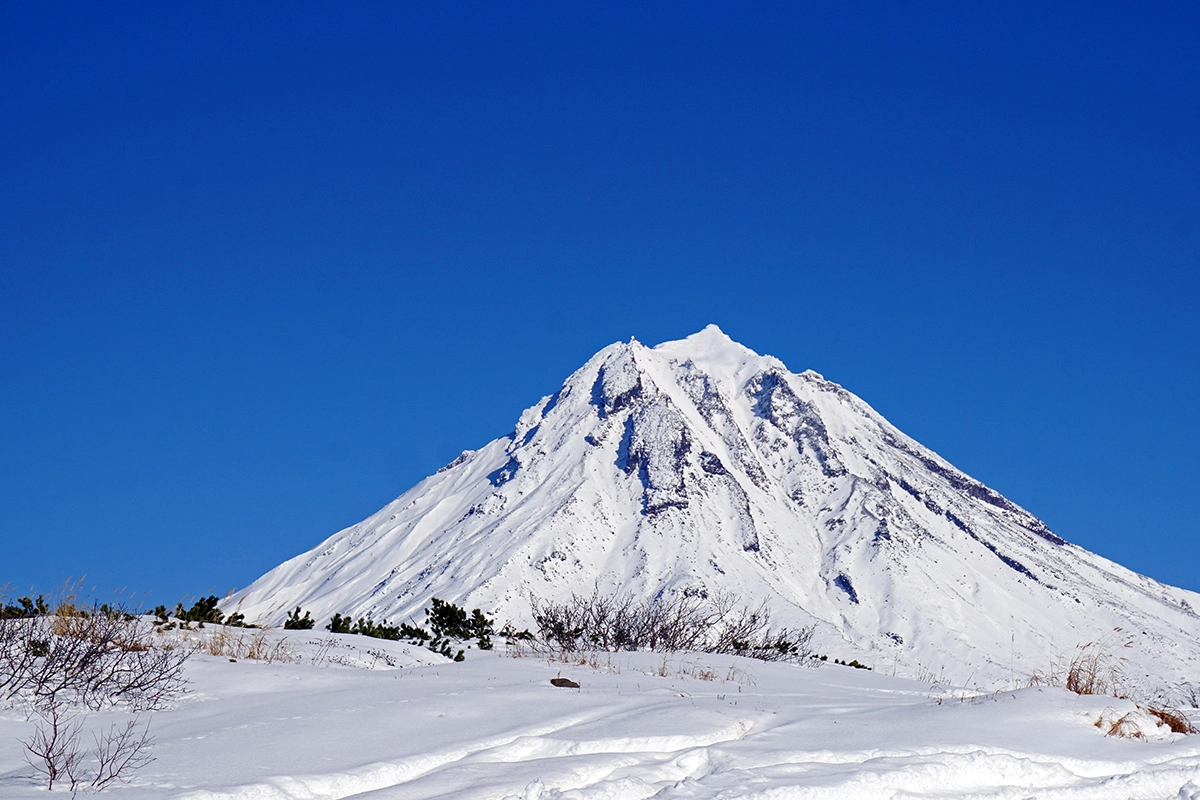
699	465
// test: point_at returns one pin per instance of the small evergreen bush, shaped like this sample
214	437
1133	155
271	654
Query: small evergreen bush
376	630
447	623
26	608
112	612
203	610
295	622
855	663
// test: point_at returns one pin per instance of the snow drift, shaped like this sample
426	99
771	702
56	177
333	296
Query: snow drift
407	725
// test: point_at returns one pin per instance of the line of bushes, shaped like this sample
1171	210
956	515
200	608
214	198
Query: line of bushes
669	623
202	611
679	622
446	626
31	608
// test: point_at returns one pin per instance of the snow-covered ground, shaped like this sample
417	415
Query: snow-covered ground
365	718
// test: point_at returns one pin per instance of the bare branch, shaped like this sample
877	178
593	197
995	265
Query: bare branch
53	749
93	661
122	751
675	622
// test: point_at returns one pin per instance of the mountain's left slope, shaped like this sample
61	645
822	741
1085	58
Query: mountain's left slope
699	465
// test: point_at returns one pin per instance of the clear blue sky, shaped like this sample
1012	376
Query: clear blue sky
264	266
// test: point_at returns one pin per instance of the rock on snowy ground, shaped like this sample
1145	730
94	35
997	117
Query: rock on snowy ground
368	719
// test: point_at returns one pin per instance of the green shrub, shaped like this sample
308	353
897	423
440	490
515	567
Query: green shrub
26	608
376	630
203	610
295	622
447	623
368	627
512	635
855	663
113	612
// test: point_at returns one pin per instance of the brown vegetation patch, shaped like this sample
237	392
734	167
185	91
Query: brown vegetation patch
1175	720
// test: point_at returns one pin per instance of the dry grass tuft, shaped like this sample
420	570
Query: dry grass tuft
1093	669
1175	720
1126	728
1143	720
251	644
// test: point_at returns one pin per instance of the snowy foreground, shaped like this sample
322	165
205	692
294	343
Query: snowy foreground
344	722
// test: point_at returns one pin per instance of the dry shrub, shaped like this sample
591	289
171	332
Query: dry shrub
53	750
1093	669
68	624
99	627
91	661
926	675
59	667
121	751
695	670
740	677
251	644
1126	728
56	753
1173	719
674	623
590	659
1133	724
1184	694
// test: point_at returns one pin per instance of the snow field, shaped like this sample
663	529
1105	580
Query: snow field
415	726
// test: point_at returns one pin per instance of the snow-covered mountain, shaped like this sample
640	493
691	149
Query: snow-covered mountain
700	465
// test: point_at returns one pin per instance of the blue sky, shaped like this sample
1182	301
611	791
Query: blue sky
264	266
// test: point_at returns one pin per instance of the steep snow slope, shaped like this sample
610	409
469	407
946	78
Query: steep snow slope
700	465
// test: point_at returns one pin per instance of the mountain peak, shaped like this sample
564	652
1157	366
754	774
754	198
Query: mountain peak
709	337
701	466
713	350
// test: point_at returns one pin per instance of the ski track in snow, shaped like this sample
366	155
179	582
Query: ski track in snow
640	726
